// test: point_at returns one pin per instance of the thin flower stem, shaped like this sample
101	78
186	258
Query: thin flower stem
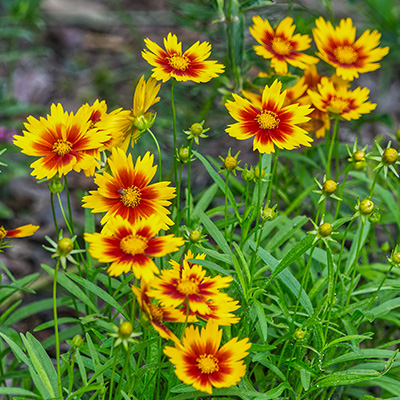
273	172
371	191
53	211
57	339
231	45
65	217
226	204
379	287
330	151
110	397
331	286
174	130
189	187
71	221
342	186
121	375
159	154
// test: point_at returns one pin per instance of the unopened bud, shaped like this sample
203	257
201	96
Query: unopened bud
230	163
65	246
366	207
195	236
359	155
390	156
125	330
300	334
329	186
325	229
268	214
257	173
77	341
196	129
184	154
396	258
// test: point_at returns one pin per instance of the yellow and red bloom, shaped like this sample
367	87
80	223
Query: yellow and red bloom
187	283
131	246
338	47
269	122
220	309
280	45
202	363
188	66
159	314
339	100
62	141
126	191
126	126
22	231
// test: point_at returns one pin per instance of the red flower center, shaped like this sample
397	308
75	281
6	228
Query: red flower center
338	105
62	147
156	312
178	62
130	197
207	364
267	120
345	55
281	46
133	244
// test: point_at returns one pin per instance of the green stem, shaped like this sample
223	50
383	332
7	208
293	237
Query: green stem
64	216
331	286
57	339
330	151
53	211
71	221
159	154
226	204
231	46
112	374
342	186
189	188
379	287
122	374
273	172
174	130
371	191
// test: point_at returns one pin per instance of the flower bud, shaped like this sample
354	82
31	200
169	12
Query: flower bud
375	217
385	247
77	341
196	129
325	229
359	155
125	330
194	236
359	165
248	174
268	214
65	246
299	334
398	134
329	186
390	156
230	163
257	173
55	185
366	207
396	258
184	154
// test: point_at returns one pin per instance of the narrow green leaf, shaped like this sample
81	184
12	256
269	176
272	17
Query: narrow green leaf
205	200
348	338
292	255
215	233
305	378
287	278
42	363
81	366
262	319
18	391
95	358
219	181
98	292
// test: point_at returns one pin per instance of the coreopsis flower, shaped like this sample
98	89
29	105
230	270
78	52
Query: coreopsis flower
126	126
64	142
94	114
280	45
187	283
340	101
220	309
157	315
338	47
22	231
127	191
202	363
269	121
188	66
131	246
